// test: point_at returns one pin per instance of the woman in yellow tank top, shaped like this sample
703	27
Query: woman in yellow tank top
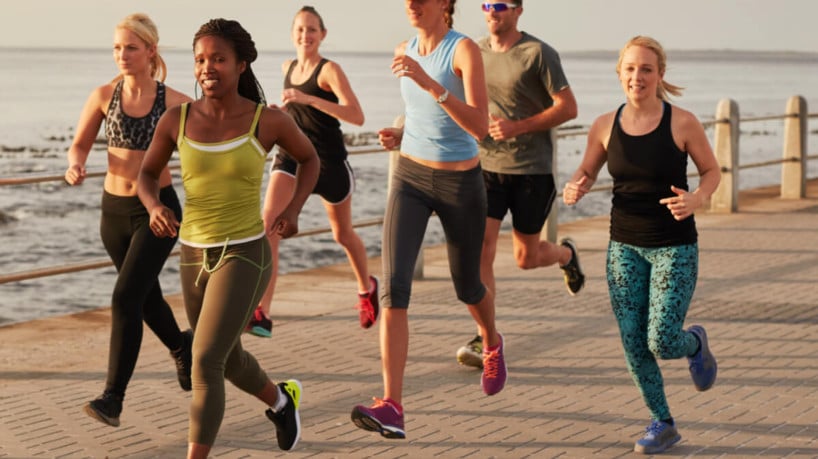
223	140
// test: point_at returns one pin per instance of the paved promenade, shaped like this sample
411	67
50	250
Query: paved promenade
569	394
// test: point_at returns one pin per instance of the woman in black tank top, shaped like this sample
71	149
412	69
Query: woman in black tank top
317	95
652	260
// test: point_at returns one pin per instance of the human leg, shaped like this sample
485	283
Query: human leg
673	282
340	219
283	187
405	220
138	256
220	305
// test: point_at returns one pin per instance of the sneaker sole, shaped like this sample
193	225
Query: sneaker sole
469	360
656	449
370	424
260	332
90	411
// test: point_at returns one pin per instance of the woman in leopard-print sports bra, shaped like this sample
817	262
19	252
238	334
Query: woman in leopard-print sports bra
131	105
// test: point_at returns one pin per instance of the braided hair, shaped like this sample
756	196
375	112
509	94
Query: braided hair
245	49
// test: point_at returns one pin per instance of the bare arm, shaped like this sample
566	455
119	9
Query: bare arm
331	78
298	147
87	130
471	114
163	221
690	133
564	109
596	153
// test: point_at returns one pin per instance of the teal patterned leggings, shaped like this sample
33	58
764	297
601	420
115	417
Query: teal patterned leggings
650	291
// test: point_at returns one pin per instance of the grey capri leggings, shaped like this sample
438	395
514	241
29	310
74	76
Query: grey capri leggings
459	200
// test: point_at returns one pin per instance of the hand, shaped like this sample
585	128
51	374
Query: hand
390	138
294	96
501	128
163	222
683	205
286	225
574	191
405	66
75	174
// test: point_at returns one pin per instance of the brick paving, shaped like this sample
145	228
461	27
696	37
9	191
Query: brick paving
568	395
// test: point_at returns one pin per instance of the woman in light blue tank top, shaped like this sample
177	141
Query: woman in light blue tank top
446	110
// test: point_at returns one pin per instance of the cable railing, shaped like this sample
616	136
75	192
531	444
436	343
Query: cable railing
728	167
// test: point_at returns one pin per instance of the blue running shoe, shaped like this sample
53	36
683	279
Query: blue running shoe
659	436
703	366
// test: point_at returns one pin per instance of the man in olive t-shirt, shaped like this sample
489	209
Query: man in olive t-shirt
528	96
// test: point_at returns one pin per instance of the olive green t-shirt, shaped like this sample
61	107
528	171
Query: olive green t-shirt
520	82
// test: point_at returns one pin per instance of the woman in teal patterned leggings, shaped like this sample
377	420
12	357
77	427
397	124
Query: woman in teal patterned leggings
653	255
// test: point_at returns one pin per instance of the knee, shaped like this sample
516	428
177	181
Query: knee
660	349
526	259
345	236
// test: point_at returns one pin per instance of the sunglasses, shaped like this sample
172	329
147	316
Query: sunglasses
498	7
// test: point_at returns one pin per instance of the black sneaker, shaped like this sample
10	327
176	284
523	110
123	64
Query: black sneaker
106	408
260	324
287	419
572	272
184	360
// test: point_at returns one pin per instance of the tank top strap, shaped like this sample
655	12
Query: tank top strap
317	70
256	117
182	118
290	70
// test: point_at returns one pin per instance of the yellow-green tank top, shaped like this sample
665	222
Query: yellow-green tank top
222	183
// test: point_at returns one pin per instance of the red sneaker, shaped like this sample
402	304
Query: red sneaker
368	304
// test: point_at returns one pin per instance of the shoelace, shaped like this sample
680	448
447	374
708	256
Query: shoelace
490	366
366	306
654	428
380	403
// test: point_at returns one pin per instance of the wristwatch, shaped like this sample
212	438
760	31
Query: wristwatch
443	97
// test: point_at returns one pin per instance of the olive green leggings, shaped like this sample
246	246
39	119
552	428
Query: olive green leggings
221	288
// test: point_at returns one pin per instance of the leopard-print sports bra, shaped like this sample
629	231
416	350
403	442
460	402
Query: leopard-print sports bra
125	131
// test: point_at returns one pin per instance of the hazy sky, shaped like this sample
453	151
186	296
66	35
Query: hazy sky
378	25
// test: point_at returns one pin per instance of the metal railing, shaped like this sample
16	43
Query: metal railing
549	231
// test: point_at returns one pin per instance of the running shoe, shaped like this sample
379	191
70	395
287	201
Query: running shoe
368	304
287	420
703	367
260	324
106	408
471	354
384	416
659	436
572	272
183	357
494	369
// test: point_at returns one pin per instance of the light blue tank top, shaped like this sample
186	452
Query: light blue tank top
429	132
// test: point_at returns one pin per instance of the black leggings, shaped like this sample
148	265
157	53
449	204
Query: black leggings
138	256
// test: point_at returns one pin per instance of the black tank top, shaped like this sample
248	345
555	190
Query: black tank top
323	130
125	131
643	168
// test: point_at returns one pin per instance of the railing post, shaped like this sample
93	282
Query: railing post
725	147
394	155
549	231
794	167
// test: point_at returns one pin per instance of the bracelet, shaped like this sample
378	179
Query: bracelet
443	97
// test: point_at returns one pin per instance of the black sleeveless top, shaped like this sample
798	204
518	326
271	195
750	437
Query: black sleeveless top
124	131
643	168
323	130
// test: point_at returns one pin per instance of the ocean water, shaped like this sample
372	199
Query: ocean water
48	224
